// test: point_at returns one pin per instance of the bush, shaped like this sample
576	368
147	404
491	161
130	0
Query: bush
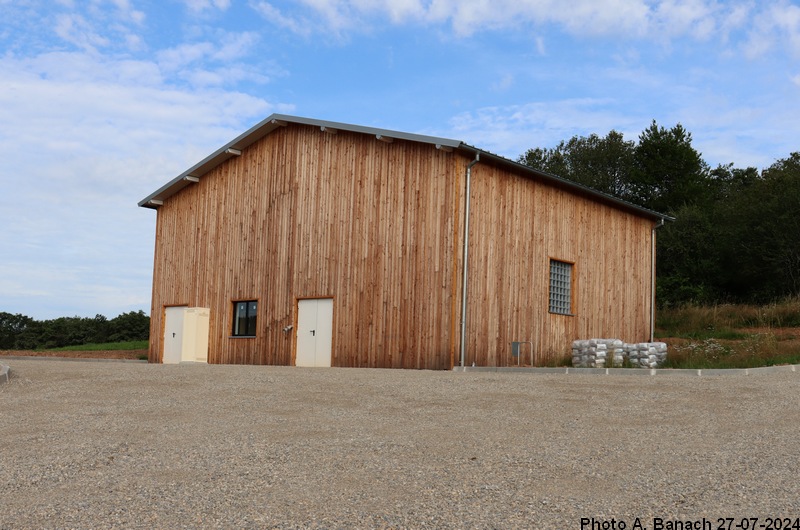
19	332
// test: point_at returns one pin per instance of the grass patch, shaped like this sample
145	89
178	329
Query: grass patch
106	346
760	349
731	335
556	361
704	321
705	334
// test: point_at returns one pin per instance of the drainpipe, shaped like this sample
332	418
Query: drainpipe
466	260
653	280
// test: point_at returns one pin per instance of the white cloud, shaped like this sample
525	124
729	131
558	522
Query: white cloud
76	30
725	130
209	63
225	76
759	25
338	14
694	17
620	17
776	25
787	21
510	130
198	6
275	16
234	46
402	10
184	54
127	13
540	47
84	137
504	83
94	26
119	106
467	17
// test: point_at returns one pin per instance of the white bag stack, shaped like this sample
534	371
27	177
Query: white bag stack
580	353
619	354
599	353
646	354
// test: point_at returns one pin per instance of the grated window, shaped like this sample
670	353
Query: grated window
560	287
244	318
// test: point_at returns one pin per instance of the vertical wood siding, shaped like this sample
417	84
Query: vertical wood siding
305	214
378	227
517	226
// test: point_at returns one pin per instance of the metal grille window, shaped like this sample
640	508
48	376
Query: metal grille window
244	318
560	287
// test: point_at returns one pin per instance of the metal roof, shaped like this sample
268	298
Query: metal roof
275	121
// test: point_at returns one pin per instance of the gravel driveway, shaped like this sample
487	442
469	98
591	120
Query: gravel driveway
115	444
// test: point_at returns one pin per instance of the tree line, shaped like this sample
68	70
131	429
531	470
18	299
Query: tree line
736	234
20	332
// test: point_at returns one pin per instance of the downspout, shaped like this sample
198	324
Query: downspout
465	259
653	280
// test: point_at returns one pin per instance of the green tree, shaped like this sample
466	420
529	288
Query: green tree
129	326
11	327
30	337
726	182
760	241
662	172
668	172
604	164
71	331
24	333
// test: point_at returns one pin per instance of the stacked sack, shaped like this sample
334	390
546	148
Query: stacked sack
599	353
646	354
595	353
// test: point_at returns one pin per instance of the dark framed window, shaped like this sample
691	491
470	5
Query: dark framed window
244	318
560	287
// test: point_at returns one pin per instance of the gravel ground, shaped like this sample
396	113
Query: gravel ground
104	444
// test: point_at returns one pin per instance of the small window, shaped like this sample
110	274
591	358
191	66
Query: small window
560	287
244	318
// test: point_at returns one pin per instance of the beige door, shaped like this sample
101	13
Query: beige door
173	334
314	332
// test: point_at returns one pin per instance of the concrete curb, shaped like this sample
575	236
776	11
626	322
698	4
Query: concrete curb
633	371
5	370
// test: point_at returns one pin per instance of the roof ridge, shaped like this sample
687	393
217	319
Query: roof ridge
276	120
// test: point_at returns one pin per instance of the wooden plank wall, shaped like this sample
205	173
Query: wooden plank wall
311	215
517	225
378	227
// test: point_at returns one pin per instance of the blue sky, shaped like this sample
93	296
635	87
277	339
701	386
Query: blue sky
103	101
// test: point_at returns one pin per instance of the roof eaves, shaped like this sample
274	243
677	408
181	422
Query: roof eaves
216	158
264	128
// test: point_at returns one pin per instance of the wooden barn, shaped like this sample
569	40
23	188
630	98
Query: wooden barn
313	243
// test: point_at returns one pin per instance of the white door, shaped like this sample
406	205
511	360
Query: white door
314	332
173	334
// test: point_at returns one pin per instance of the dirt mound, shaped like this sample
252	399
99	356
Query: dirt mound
101	354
